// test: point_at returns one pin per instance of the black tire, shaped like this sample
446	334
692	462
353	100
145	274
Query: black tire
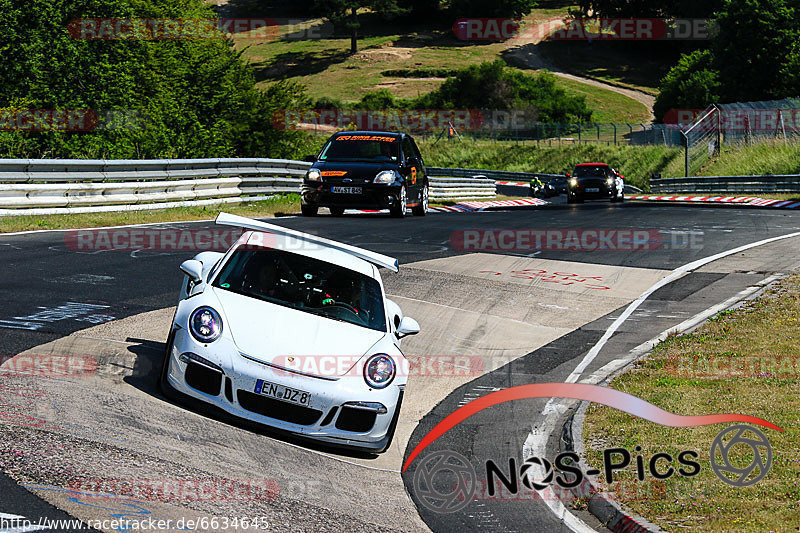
337	211
163	383
399	209
421	209
309	210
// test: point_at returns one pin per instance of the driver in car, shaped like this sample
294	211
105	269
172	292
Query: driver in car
267	282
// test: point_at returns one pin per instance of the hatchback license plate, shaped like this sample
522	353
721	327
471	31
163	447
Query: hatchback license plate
279	392
346	190
593	189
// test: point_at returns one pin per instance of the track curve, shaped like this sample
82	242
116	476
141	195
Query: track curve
115	424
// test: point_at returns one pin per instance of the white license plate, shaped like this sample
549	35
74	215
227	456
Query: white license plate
593	189
279	392
346	190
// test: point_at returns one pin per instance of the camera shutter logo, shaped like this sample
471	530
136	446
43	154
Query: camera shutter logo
734	475
543	464
456	479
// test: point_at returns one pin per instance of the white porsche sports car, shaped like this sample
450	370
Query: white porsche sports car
291	331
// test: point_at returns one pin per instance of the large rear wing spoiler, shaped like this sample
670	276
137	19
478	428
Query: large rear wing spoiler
385	261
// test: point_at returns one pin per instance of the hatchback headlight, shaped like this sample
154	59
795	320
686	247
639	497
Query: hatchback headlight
573	182
313	175
379	371
386	176
205	324
609	181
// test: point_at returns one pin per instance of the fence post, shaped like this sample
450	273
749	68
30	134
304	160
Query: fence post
615	134
579	132
685	154
598	132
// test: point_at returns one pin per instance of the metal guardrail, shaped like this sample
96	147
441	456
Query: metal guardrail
464	188
44	186
503	175
728	184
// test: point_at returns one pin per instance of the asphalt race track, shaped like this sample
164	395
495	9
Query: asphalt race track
115	306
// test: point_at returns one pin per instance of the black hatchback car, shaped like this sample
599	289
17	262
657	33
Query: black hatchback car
594	181
367	170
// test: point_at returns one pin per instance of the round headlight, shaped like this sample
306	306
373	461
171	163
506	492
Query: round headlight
386	176
610	181
313	175
205	324
379	371
573	182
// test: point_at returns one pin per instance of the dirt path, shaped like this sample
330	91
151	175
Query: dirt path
523	50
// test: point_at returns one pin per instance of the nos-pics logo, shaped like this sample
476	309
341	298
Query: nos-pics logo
446	482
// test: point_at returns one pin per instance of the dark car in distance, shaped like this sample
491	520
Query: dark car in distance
366	170
595	181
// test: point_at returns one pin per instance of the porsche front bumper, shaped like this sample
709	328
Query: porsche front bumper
342	411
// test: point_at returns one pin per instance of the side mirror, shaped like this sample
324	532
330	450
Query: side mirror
310	159
408	326
568	175
193	268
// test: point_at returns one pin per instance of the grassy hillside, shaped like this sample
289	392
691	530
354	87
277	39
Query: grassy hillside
325	67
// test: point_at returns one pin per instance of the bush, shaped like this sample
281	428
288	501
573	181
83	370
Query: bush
494	86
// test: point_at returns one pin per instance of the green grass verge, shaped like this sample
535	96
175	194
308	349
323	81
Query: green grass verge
280	205
759	343
636	163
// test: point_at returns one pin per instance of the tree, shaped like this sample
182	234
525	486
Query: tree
647	8
181	98
345	12
754	56
754	46
693	83
491	8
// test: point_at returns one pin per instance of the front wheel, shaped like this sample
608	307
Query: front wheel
421	209
399	208
309	210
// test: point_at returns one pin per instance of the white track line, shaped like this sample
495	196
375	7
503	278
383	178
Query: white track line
536	443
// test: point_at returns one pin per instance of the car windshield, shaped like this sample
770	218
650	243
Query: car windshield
585	171
305	284
361	148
